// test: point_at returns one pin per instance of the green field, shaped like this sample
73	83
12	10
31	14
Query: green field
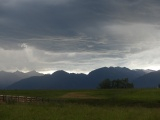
116	104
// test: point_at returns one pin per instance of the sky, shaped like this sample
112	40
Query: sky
79	35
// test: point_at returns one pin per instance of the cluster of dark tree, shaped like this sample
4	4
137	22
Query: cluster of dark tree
118	83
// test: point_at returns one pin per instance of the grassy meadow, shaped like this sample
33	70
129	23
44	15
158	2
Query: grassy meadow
114	104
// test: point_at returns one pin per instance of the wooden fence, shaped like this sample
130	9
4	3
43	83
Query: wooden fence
21	99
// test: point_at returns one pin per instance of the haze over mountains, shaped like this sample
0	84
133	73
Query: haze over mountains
150	80
8	78
63	80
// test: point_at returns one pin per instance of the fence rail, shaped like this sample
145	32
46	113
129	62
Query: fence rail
21	99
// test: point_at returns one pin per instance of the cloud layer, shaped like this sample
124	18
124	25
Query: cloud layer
79	35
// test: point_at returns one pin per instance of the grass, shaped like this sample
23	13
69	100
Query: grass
116	104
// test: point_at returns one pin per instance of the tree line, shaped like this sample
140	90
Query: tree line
118	83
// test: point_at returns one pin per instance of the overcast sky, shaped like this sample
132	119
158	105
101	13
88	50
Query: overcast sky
79	35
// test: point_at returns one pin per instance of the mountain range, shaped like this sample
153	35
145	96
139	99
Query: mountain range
63	80
150	80
8	78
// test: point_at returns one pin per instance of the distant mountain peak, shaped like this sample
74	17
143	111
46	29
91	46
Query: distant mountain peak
59	72
3	71
18	72
34	73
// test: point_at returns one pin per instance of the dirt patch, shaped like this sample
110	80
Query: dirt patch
78	95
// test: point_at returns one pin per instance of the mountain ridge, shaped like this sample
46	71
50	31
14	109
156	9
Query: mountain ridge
150	80
64	80
8	78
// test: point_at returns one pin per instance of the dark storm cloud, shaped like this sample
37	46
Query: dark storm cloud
25	20
82	31
35	19
45	19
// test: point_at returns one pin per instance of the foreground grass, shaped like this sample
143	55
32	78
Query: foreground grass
85	105
76	112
